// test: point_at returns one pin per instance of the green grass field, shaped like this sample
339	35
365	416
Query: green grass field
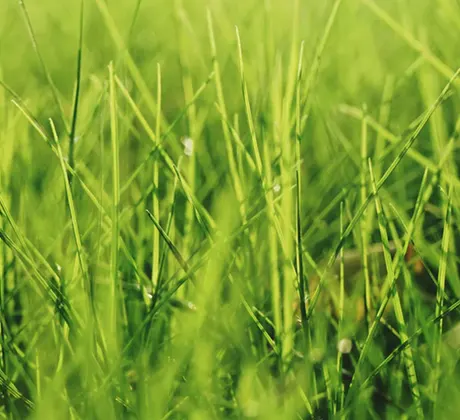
176	176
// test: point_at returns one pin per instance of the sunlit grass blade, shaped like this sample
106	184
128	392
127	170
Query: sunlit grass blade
315	66
115	286
365	226
237	185
248	109
155	181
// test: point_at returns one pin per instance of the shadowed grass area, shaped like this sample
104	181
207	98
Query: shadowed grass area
216	209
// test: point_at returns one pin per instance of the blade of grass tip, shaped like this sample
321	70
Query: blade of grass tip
73	126
155	180
392	277
133	22
54	91
130	63
115	200
247	105
73	217
315	66
415	44
406	147
236	181
440	293
193	125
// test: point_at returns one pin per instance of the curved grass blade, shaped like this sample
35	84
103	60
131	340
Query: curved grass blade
54	91
73	126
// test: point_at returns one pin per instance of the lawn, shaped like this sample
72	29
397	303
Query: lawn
229	209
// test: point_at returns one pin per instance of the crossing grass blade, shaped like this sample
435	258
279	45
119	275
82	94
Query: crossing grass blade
172	247
392	290
405	148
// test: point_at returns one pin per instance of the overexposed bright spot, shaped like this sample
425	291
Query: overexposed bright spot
188	146
316	355
191	306
251	408
344	346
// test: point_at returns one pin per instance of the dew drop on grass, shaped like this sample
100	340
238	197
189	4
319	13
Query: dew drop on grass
188	146
344	346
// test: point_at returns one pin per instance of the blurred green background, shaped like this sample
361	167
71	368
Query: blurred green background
105	314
